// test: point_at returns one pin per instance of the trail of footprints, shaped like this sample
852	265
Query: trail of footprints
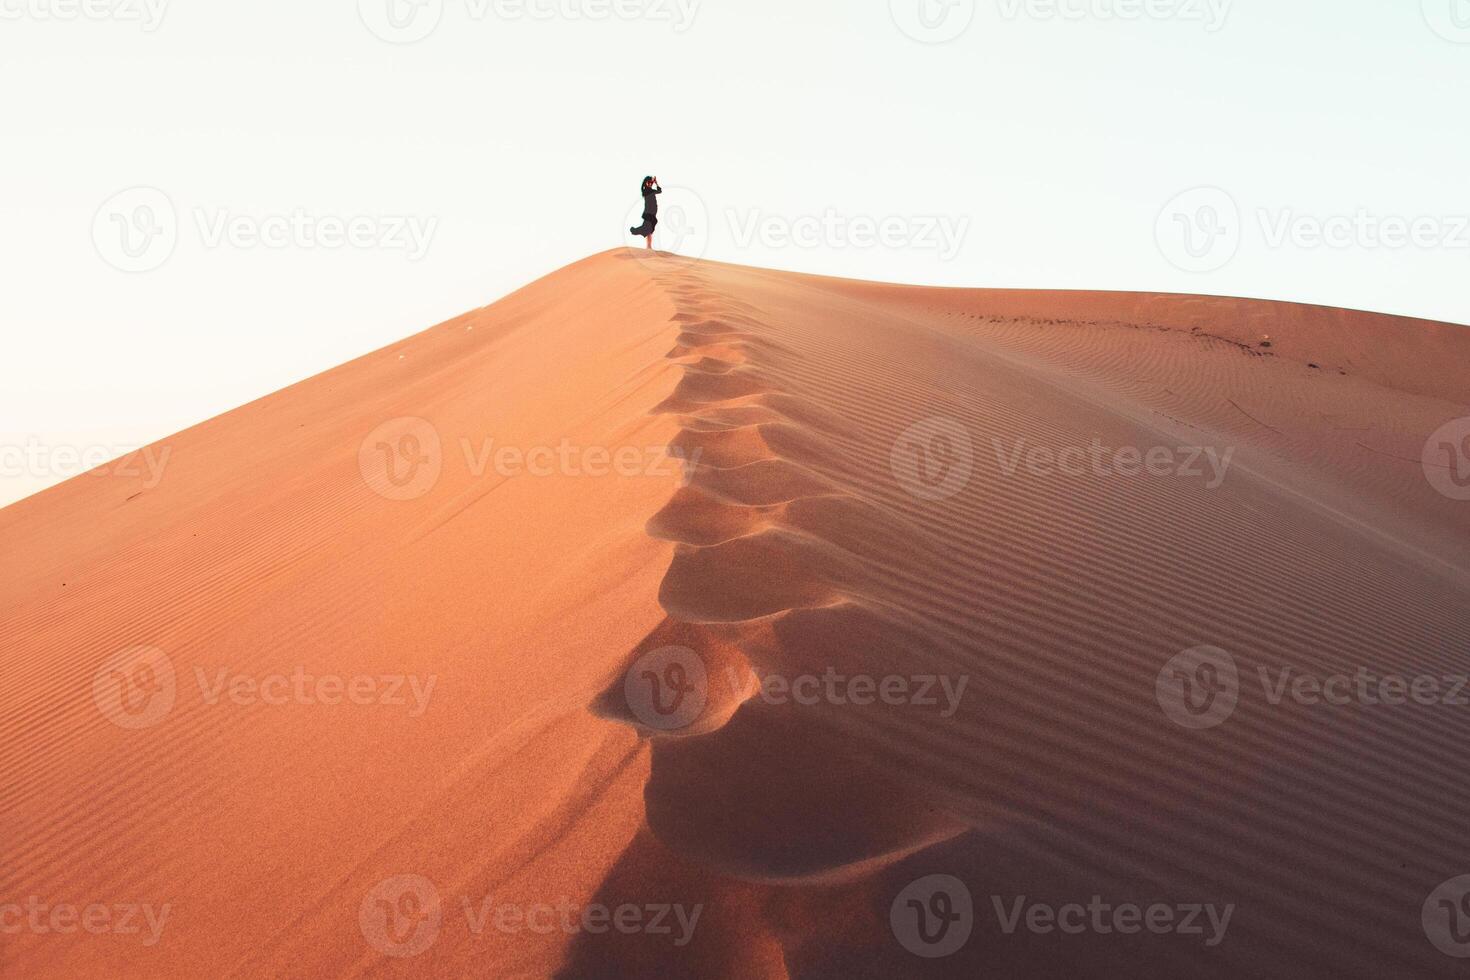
741	562
765	580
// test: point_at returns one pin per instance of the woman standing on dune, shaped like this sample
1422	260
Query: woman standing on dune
650	192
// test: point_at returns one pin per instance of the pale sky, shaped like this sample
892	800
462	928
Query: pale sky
408	160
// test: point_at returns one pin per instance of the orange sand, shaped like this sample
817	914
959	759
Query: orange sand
519	772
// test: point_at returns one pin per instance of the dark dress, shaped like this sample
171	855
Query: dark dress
650	211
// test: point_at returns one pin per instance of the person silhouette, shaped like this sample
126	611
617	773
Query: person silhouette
650	191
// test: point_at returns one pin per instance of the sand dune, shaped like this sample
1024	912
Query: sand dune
677	619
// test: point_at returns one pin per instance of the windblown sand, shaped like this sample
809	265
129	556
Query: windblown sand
348	692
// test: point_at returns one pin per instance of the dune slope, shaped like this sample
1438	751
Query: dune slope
749	601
